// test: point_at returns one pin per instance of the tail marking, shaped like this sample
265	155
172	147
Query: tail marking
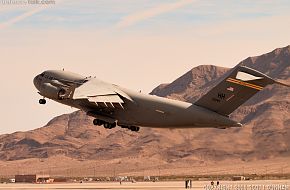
257	87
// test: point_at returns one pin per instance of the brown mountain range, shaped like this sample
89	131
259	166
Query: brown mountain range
265	137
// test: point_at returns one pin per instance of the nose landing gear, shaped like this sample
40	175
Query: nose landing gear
42	101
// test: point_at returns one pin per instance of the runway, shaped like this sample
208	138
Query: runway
197	185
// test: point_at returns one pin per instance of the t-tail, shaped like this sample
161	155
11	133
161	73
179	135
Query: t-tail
240	85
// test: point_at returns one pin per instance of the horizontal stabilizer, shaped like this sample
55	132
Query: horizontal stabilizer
283	84
234	90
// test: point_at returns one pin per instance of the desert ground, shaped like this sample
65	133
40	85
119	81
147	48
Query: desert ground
68	167
197	185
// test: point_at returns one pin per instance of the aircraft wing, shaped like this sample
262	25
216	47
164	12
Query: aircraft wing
96	91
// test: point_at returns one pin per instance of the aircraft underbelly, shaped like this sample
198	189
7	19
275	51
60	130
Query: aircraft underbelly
185	118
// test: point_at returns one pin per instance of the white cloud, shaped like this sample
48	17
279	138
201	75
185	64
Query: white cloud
21	17
28	13
152	12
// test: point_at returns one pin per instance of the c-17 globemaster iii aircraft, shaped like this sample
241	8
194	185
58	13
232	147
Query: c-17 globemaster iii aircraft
112	105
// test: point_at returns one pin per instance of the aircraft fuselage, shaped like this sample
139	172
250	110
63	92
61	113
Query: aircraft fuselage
137	110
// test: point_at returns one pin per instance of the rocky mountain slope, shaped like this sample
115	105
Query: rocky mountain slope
265	135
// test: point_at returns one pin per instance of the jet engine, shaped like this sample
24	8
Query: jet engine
53	92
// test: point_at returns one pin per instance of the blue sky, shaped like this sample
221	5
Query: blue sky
137	44
107	13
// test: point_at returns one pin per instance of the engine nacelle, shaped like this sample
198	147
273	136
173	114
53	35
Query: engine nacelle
53	92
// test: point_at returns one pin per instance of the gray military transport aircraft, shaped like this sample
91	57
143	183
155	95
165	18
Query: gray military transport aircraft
112	105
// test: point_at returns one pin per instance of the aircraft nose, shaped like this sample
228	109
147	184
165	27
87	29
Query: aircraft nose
35	81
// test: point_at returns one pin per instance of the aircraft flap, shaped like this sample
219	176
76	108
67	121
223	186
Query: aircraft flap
113	98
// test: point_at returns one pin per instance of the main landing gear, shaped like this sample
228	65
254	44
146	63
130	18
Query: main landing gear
132	128
108	125
42	101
